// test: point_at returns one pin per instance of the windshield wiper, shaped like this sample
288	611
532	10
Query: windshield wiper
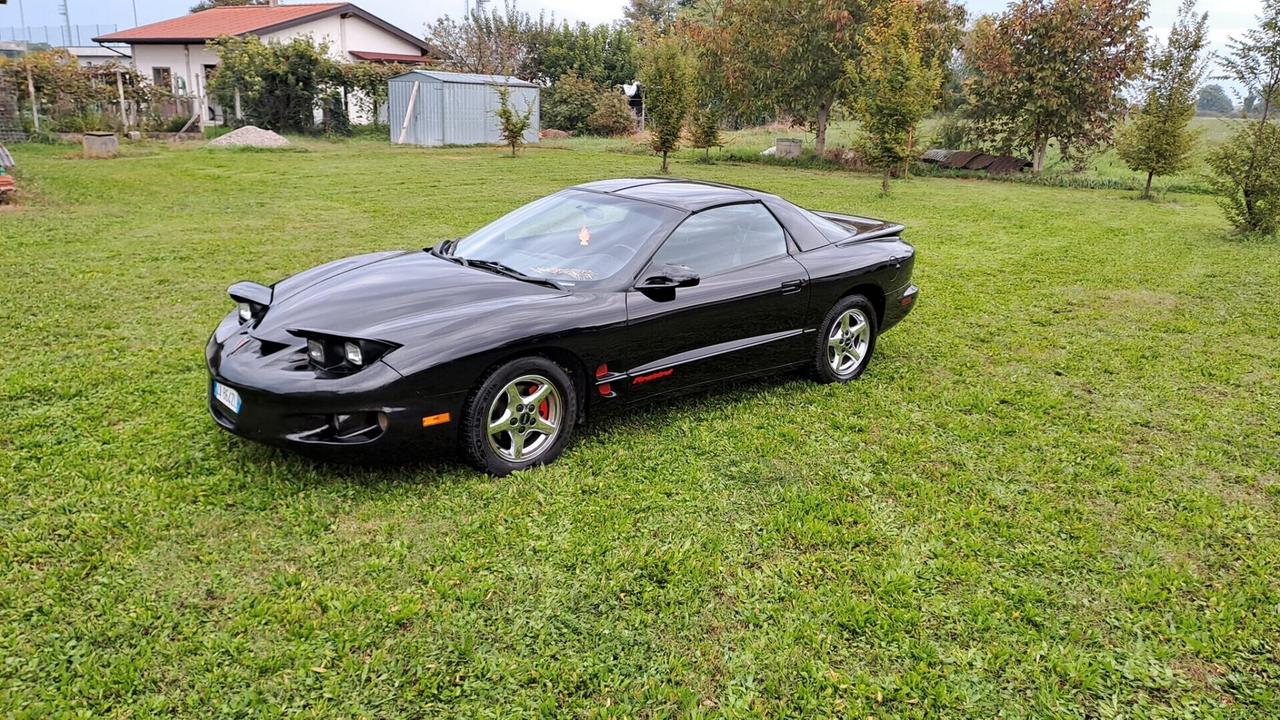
439	251
501	269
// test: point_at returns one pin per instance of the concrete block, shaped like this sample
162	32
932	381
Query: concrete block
788	148
101	145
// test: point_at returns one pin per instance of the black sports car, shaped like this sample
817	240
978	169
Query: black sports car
602	294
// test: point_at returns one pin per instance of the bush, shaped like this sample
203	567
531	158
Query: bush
336	121
569	103
1246	177
956	133
280	84
612	115
85	121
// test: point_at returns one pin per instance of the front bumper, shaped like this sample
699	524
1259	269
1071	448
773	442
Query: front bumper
282	402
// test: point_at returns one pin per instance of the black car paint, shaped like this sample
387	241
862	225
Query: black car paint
620	344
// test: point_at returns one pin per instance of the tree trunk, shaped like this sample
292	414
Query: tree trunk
1146	194
884	182
1041	150
820	128
665	170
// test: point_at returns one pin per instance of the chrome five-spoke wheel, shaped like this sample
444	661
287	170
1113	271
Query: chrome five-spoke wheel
848	341
525	418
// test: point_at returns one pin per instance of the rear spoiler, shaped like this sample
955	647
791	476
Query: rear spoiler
863	228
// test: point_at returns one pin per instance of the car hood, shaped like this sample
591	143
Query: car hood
396	297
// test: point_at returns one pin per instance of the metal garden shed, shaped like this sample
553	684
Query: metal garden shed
426	107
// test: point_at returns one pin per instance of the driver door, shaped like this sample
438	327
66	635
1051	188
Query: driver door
745	315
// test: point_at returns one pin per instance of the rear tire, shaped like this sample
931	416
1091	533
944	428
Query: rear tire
523	414
846	340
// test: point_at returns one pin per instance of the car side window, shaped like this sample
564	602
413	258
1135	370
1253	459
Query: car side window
723	238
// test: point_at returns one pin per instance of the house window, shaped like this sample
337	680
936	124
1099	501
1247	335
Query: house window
162	77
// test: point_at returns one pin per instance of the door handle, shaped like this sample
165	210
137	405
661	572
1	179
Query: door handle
792	286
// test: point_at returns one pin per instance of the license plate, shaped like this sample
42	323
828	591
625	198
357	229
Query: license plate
227	396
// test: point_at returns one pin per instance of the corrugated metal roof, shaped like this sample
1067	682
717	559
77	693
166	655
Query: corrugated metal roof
968	160
981	162
469	78
960	159
936	155
1008	164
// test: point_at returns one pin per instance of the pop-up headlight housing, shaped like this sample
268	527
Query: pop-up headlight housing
337	355
252	300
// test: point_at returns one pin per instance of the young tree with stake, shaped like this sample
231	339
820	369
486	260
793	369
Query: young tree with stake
1246	168
1159	139
896	87
512	123
664	78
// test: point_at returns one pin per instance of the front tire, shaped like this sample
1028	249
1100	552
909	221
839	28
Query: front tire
847	340
522	415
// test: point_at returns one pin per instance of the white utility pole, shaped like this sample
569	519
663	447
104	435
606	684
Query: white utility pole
65	10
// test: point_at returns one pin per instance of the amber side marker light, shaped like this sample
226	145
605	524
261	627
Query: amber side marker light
431	420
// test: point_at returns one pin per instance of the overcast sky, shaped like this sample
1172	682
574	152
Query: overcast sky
1226	17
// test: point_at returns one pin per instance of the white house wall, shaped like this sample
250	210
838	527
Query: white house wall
346	34
186	62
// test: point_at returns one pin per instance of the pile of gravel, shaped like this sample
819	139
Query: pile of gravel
250	136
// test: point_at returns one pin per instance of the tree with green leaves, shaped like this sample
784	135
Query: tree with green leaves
512	123
793	54
704	130
496	42
367	84
210	4
1158	140
896	86
280	85
664	77
603	54
568	103
1054	71
709	93
1213	99
654	14
1246	169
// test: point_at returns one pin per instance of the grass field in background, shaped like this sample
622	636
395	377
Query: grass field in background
1104	170
1054	494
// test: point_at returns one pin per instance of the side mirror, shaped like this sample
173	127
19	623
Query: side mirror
669	277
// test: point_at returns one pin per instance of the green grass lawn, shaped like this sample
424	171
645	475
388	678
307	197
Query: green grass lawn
1054	494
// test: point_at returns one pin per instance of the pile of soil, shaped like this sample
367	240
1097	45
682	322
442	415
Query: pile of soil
250	136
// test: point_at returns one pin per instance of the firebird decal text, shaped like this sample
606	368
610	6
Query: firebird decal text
653	376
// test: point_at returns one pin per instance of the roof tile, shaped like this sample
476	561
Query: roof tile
210	24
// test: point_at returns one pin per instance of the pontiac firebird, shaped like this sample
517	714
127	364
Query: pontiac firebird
606	293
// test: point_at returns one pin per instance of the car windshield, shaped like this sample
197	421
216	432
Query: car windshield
572	236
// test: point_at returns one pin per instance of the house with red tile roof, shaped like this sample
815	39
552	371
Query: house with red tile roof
173	53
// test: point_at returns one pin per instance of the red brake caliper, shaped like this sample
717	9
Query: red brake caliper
542	408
